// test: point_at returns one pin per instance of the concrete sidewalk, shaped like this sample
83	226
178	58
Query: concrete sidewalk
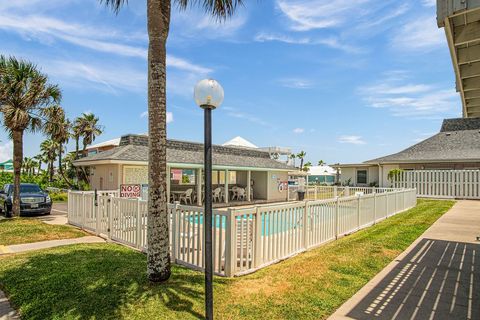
437	277
48	244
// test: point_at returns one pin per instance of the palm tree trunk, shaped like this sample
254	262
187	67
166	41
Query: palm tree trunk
60	169
17	166
39	167
51	170
158	254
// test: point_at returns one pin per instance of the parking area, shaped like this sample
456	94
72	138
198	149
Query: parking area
58	215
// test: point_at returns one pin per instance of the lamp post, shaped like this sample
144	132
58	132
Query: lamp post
208	95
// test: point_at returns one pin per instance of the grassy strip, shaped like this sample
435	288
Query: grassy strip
107	281
27	230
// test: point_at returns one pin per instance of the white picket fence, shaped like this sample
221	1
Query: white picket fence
329	192
244	239
463	184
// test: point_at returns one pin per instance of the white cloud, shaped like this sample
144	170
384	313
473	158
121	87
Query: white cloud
46	29
6	151
410	99
429	3
351	140
306	15
419	35
169	116
298	130
331	42
295	83
235	113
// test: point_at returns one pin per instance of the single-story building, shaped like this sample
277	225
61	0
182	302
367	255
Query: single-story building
323	174
232	167
6	166
456	146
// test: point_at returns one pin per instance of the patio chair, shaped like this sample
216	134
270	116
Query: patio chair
187	196
217	195
241	195
234	192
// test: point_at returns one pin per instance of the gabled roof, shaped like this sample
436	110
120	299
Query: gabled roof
458	140
239	142
113	142
134	148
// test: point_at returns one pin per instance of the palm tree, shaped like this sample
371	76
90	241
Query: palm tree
57	126
39	158
49	149
158	24
292	157
24	92
28	165
306	166
301	155
321	162
89	128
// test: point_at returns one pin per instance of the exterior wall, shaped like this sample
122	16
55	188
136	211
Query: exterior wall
105	177
351	173
135	174
384	175
260	185
274	177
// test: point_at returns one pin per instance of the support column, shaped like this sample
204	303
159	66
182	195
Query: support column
249	185
168	183
226	186
198	179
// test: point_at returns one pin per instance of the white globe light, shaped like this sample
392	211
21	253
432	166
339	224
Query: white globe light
208	93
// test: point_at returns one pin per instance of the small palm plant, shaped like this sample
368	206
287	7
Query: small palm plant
24	92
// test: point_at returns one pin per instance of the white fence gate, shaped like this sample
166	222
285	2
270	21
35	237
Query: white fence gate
244	239
463	184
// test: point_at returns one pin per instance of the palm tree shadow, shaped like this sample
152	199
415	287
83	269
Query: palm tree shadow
97	281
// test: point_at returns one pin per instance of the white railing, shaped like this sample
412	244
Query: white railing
329	192
244	239
441	183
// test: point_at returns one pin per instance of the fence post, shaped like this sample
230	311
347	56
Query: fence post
69	206
374	208
335	191
316	198
336	216
258	238
358	211
387	195
110	216
175	241
305	225
95	213
138	238
83	210
231	243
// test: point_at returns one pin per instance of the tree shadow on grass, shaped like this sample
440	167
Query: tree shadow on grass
103	281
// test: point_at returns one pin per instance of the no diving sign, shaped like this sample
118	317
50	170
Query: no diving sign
130	191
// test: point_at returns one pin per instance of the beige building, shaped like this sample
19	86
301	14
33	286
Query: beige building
232	167
456	146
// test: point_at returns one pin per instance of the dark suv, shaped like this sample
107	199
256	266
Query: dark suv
33	200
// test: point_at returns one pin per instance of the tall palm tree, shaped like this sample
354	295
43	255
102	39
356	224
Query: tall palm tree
28	165
49	149
301	155
57	126
158	24
24	92
292	158
89	128
39	158
321	162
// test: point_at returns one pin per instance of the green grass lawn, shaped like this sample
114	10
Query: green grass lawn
27	230
108	281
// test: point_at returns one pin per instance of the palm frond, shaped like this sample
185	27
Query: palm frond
219	9
115	5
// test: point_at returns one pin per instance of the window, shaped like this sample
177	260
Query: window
361	176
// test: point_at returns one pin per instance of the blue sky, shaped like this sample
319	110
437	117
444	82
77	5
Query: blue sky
344	80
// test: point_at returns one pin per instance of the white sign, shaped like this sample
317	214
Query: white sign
130	191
